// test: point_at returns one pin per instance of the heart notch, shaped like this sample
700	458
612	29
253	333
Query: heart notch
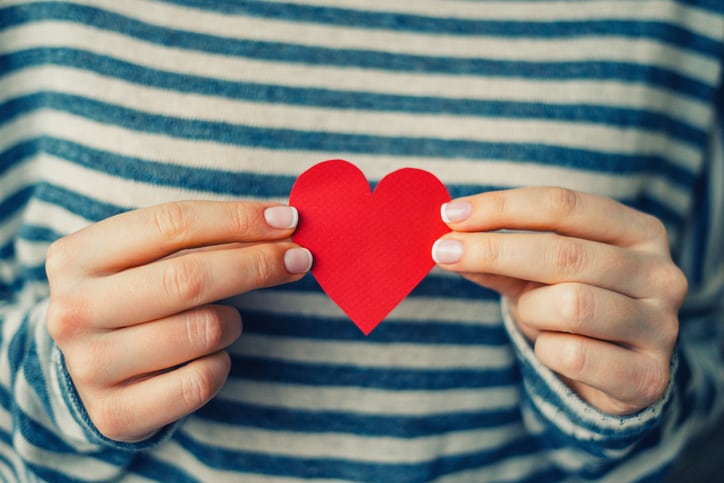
371	248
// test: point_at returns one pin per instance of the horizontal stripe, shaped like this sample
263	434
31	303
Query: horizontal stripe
426	332
522	9
662	31
327	466
355	105
256	369
291	139
461	177
274	51
368	354
368	401
397	426
470	303
584	47
245	70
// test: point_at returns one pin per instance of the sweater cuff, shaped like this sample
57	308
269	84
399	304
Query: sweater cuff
82	421
554	409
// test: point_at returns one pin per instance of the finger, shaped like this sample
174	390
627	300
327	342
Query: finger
549	259
156	346
630	380
177	284
558	210
595	312
141	236
134	411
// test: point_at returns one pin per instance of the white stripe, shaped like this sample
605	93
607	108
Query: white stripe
347	78
603	138
363	354
413	309
373	449
368	400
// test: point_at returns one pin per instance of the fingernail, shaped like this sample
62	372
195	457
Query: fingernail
456	211
298	260
282	217
447	251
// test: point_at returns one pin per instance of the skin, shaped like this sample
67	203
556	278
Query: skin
590	282
131	306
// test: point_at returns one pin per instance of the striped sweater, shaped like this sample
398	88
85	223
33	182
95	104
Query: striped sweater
107	106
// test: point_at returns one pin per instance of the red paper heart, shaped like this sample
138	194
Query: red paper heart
370	249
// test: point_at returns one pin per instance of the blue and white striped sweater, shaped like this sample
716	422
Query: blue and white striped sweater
107	106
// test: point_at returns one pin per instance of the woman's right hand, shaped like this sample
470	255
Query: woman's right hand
131	304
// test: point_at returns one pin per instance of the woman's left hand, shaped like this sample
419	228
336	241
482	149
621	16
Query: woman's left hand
590	282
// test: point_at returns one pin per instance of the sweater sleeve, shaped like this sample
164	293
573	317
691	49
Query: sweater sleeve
587	442
43	418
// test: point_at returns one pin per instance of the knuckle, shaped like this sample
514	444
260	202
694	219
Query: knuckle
110	417
668	332
490	251
497	203
562	202
567	257
204	328
656	228
171	221
58	258
64	317
573	358
85	366
652	383
198	387
241	219
184	278
262	267
672	283
576	305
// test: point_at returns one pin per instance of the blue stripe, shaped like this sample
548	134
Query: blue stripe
13	155
594	114
353	470
311	374
12	203
88	208
391	331
294	53
290	139
157	470
36	233
397	426
664	32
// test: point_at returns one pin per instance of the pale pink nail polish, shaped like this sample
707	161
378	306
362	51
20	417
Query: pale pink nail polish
282	217
456	211
298	260
447	251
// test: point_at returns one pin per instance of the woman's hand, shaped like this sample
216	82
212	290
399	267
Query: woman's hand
590	283
131	304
